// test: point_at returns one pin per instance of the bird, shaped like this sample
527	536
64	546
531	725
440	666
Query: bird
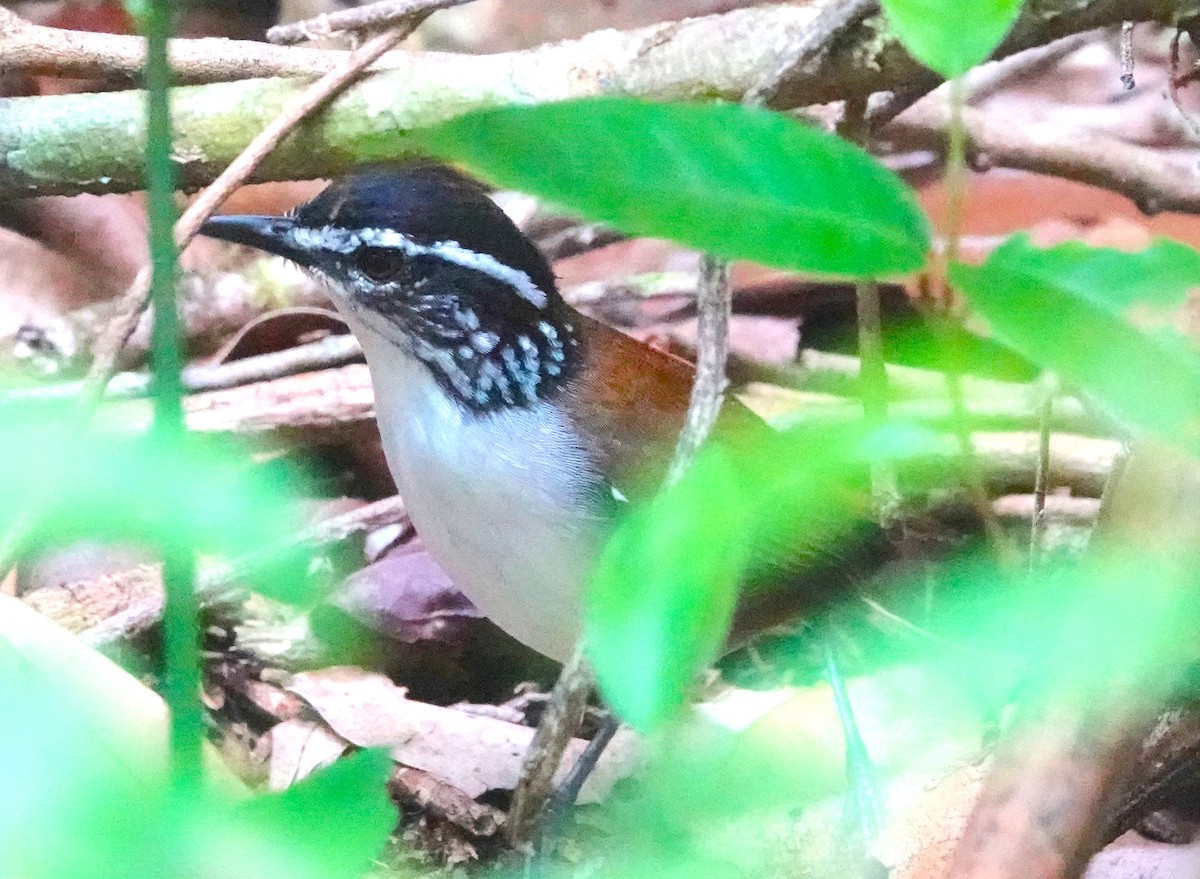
517	429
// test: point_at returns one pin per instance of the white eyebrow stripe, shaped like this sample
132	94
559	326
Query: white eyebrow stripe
326	238
346	240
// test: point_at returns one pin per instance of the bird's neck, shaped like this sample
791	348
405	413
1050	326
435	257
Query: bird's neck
488	363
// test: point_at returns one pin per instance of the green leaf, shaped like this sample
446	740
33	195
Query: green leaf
133	489
951	36
84	786
347	806
736	181
771	515
1113	280
1060	308
663	594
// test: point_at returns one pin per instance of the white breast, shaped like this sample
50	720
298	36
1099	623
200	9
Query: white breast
516	538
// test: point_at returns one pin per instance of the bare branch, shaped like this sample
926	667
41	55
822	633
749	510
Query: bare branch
92	143
108	608
1156	180
1074	743
371	17
713	301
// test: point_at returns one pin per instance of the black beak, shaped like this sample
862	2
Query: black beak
271	234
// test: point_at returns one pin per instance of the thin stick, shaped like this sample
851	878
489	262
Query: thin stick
714	304
223	584
1041	479
565	709
1172	76
956	188
873	379
564	712
370	17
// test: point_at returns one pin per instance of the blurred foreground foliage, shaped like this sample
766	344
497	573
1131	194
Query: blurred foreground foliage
86	792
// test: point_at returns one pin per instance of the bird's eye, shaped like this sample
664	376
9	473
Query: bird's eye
380	264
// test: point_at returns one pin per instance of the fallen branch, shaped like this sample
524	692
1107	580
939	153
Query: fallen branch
92	142
1078	512
1155	180
107	609
318	408
330	352
370	17
1045	804
311	408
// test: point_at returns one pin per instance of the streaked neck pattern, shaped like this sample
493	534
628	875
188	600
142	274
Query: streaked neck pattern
492	336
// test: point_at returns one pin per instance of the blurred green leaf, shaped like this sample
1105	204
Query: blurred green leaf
663	593
951	36
1078	625
732	180
1113	280
138	490
1060	308
84	783
761	513
329	826
84	778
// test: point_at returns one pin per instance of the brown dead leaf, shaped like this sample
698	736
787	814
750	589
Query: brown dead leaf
431	796
299	748
279	330
474	754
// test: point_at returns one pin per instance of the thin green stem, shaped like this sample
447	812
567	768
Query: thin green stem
956	198
956	171
181	643
885	490
1037	536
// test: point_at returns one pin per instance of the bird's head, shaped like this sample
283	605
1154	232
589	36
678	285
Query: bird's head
421	256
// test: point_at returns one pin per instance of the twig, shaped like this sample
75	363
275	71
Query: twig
1078	512
948	317
1127	63
563	714
108	609
964	649
1172	80
313	99
569	789
1037	531
370	17
50	51
713	301
840	374
785	409
873	382
1155	180
214	307
569	698
332	351
985	81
